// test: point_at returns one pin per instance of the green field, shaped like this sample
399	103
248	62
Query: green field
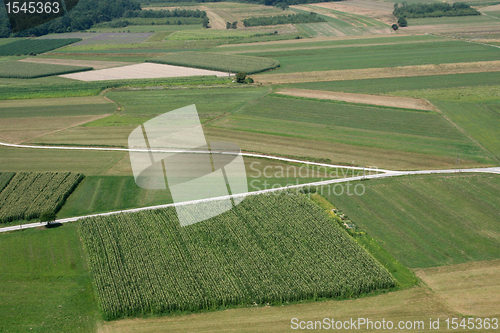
430	220
217	34
60	110
44	282
62	87
332	123
51	160
412	84
99	194
210	102
26	70
231	259
219	62
313	43
480	120
36	46
27	195
5	178
439	52
475	109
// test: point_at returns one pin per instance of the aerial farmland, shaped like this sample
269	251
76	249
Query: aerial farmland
254	166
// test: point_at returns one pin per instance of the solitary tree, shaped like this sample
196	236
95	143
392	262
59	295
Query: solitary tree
48	216
204	22
234	25
394	27
228	25
402	22
240	77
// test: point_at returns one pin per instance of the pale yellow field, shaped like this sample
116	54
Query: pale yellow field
403	102
471	289
418	303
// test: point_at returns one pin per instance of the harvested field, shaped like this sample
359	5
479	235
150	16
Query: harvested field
471	289
406	103
141	71
381	11
375	73
418	303
216	21
71	62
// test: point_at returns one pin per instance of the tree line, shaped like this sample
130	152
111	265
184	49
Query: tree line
437	9
90	12
282	19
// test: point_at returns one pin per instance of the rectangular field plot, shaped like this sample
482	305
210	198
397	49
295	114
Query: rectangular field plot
269	248
480	120
36	46
115	38
27	195
389	85
44	282
331	124
219	62
26	70
56	107
374	56
428	220
141	71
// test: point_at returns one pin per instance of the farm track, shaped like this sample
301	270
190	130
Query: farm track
381	173
378	73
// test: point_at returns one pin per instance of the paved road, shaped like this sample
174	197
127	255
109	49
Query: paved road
382	173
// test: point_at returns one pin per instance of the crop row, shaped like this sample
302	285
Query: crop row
270	248
28	194
219	62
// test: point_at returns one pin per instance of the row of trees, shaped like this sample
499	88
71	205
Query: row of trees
282	19
437	9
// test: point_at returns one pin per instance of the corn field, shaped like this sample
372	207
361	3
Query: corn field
26	195
268	249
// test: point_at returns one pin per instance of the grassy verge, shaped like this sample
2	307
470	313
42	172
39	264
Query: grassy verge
403	276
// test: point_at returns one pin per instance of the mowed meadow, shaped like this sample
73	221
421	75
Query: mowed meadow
431	220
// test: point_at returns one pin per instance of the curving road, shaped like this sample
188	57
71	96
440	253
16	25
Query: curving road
381	173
